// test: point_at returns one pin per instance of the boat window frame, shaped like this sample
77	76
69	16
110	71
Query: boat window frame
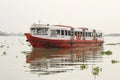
66	32
53	33
62	32
39	31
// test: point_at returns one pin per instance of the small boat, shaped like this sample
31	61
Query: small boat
62	36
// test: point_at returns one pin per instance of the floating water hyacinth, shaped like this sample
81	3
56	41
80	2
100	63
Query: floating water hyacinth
113	44
7	46
4	53
29	44
114	61
96	71
106	52
83	66
24	52
2	46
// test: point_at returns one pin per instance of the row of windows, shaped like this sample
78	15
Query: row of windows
44	31
39	31
69	33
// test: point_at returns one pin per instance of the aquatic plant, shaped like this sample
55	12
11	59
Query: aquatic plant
106	52
29	44
118	43
24	52
2	46
83	66
114	61
16	56
7	46
4	53
96	71
113	44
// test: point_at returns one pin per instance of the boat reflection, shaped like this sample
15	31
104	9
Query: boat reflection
49	61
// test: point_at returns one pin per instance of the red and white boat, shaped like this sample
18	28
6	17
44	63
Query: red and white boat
61	36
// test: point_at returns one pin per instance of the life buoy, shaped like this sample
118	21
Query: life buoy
78	37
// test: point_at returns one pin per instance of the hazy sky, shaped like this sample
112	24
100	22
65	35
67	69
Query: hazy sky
19	15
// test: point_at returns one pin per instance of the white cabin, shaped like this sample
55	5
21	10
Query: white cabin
61	32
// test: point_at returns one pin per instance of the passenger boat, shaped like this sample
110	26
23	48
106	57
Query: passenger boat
62	36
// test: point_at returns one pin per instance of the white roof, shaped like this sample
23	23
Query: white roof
62	27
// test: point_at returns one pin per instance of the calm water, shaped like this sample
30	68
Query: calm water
19	61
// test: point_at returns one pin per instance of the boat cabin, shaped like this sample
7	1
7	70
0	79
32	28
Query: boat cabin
64	32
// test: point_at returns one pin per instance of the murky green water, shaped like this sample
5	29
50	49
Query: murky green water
19	61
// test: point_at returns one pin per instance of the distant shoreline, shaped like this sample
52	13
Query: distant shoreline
12	35
114	34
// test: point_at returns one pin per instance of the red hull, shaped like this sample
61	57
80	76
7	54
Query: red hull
49	43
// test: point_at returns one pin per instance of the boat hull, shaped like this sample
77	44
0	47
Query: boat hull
49	43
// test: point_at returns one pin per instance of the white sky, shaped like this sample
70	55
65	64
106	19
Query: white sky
19	15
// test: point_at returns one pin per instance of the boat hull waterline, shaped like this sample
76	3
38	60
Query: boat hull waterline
37	42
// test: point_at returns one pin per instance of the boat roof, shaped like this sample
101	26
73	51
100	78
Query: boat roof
62	27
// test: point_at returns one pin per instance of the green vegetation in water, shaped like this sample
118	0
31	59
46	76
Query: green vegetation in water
106	52
83	66
29	44
7	46
114	61
4	53
113	44
24	52
96	71
2	46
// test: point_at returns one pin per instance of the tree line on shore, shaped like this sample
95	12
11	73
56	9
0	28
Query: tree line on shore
10	34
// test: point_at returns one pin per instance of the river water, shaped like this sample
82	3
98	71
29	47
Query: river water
19	61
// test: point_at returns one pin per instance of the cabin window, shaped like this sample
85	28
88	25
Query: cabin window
69	33
39	31
100	34
81	33
66	32
62	32
89	34
75	33
86	34
53	33
58	32
96	35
